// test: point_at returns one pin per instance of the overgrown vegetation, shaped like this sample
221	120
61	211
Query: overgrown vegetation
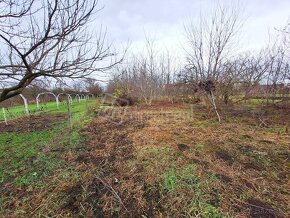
153	161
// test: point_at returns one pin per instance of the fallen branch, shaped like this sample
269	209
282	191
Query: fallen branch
111	189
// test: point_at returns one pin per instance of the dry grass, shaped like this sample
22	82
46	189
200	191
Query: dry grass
169	161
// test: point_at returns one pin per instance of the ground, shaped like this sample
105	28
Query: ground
159	161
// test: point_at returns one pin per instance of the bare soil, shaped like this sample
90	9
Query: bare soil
31	123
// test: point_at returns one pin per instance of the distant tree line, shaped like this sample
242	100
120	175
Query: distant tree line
214	71
60	48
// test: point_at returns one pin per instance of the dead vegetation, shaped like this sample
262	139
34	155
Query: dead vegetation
167	161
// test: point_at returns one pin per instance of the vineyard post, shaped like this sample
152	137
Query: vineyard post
4	115
69	113
87	107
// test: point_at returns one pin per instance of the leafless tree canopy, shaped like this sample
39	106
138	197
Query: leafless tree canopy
145	74
210	41
49	39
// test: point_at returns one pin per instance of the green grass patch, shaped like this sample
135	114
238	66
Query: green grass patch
179	177
49	107
184	185
21	158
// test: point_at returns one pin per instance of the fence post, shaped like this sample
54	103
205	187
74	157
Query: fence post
69	113
57	103
37	102
87	107
4	115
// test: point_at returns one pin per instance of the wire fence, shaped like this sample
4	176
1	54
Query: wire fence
67	106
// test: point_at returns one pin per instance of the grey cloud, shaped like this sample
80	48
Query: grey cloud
128	19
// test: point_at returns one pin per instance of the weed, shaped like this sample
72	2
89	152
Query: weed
170	180
26	179
185	179
207	210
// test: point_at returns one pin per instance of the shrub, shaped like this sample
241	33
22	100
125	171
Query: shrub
124	100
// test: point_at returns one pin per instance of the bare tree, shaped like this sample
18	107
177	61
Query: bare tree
256	68
231	74
93	87
169	68
209	43
141	76
49	39
277	71
136	79
286	42
147	77
13	9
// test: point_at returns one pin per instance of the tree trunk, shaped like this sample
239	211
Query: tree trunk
226	98
214	106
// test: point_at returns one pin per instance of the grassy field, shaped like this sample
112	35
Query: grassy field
159	161
22	146
50	107
30	155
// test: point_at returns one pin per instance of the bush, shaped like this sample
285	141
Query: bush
124	100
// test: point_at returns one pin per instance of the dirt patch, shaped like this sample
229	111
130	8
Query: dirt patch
224	155
32	123
183	147
260	209
152	196
87	205
73	195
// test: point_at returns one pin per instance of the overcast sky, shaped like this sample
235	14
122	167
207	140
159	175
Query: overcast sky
130	19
